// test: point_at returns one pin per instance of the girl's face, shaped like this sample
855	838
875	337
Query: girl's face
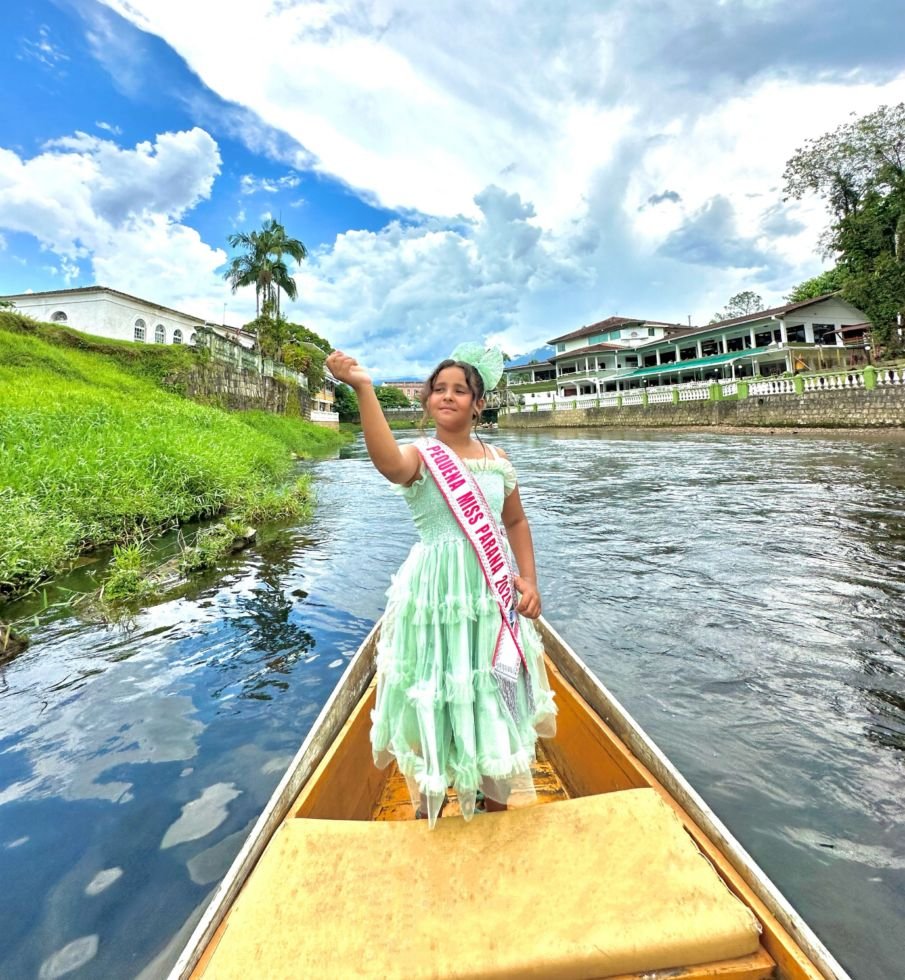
451	403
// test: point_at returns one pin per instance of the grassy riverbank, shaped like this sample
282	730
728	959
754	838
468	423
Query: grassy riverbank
93	451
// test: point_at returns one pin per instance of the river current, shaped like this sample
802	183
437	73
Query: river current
742	595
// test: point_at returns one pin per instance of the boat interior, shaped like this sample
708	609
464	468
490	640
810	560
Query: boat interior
603	874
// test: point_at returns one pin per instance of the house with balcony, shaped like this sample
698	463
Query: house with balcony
621	354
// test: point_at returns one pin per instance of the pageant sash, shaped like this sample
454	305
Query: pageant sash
464	497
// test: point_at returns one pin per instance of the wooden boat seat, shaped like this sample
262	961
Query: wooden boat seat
340	898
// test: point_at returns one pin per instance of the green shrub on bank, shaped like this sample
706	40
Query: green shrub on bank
92	454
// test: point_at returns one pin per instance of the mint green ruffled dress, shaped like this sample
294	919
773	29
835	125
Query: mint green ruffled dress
439	713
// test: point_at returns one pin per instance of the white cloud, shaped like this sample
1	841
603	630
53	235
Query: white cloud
90	201
551	165
249	184
44	50
402	297
588	113
109	128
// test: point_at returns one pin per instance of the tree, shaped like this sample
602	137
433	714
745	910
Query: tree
830	281
740	305
346	403
859	169
295	345
308	360
262	265
390	397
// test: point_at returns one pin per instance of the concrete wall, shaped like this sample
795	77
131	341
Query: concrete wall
849	408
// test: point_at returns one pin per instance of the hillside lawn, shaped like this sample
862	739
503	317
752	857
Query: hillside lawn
94	450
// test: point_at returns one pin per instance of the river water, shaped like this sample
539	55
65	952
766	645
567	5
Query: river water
742	595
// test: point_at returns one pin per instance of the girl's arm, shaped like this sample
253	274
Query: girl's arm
519	534
399	464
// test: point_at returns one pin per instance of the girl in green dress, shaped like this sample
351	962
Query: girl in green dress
439	710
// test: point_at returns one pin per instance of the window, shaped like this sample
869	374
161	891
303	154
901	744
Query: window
820	333
650	360
160	335
688	353
193	340
139	333
667	357
177	337
736	343
763	339
795	333
560	348
58	317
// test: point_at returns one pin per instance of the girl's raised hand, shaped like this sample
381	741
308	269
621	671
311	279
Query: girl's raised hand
347	370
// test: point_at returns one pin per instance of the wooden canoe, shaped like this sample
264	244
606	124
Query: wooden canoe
613	879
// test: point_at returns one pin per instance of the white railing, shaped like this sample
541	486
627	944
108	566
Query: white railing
659	395
834	382
700	391
694	392
778	386
890	376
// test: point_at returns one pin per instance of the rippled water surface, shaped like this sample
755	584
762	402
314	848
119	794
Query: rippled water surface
742	595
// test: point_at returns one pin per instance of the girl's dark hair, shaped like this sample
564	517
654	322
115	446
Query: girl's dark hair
472	378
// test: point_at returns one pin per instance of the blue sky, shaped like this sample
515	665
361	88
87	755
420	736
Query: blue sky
459	170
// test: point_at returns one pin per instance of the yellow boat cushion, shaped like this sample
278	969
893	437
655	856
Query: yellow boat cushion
589	887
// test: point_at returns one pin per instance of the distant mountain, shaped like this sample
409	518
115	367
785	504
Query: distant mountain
538	354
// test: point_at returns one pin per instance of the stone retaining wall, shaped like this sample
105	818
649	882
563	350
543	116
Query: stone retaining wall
855	408
221	385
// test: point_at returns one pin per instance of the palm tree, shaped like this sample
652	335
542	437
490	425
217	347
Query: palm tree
262	264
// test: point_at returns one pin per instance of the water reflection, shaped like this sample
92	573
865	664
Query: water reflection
741	594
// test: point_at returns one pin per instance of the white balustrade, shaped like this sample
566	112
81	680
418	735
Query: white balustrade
777	386
693	393
700	391
659	395
890	376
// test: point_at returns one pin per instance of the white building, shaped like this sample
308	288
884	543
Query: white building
109	313
621	354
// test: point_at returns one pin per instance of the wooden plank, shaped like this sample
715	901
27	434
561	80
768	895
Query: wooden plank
394	802
620	747
346	781
758	966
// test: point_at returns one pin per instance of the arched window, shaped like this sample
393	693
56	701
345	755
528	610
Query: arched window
160	335
193	340
58	317
177	336
139	329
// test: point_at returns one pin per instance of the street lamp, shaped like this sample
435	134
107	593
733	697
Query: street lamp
867	352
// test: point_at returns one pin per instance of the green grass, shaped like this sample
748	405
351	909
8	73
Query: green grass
93	451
